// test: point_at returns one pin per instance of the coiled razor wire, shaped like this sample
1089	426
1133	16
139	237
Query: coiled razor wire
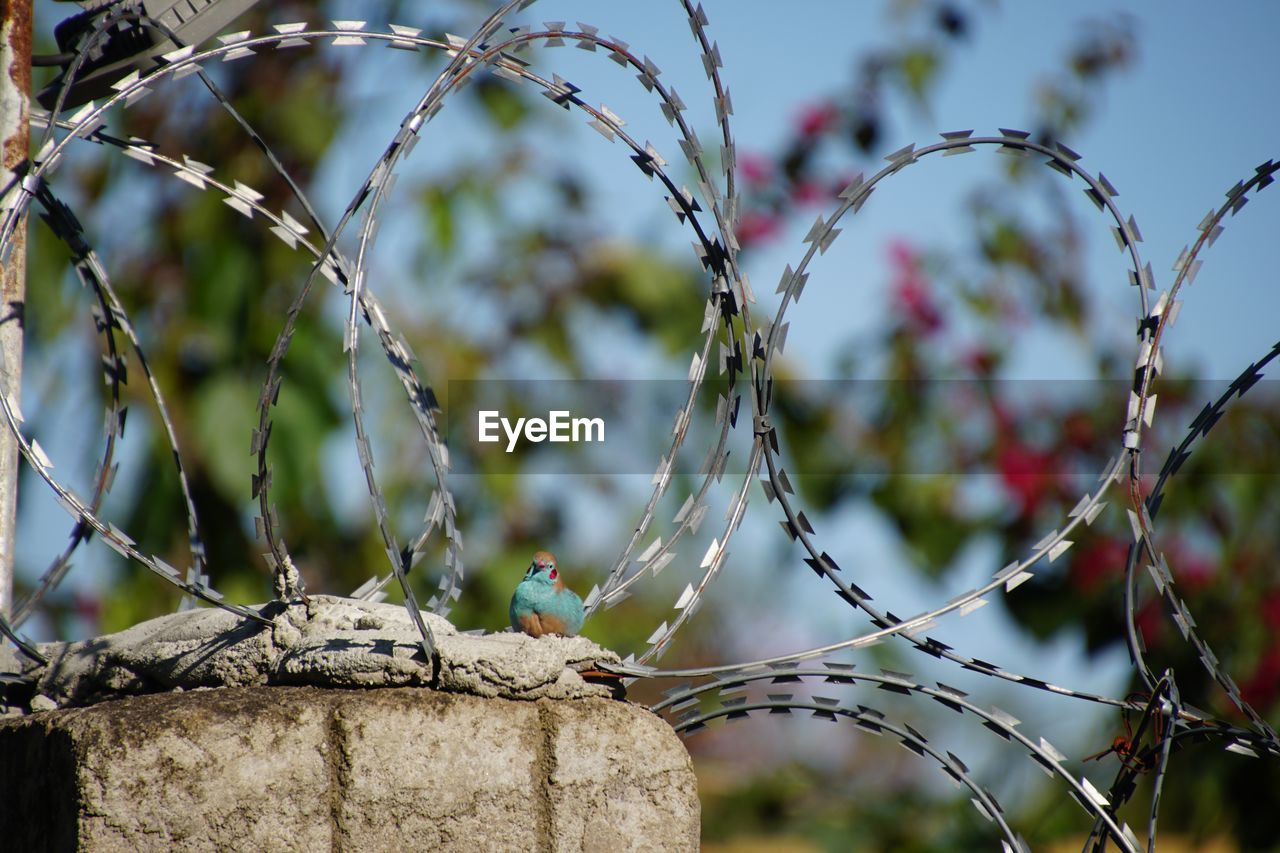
732	347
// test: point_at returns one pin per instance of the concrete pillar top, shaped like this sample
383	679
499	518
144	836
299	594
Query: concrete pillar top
335	642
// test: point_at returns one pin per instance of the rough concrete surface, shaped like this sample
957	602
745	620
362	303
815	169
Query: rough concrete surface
595	766
302	768
335	642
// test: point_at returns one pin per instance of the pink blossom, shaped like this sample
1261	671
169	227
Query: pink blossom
980	360
807	192
1263	685
1096	561
911	290
1028	475
1193	571
1270	609
815	119
755	226
755	169
1149	621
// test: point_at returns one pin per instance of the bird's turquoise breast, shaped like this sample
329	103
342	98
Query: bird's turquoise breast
532	596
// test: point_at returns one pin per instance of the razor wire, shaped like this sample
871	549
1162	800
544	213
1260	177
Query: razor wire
732	346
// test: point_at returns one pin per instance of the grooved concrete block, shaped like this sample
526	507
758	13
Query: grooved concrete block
303	768
170	771
601	799
453	773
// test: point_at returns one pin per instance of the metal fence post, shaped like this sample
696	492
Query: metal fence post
15	89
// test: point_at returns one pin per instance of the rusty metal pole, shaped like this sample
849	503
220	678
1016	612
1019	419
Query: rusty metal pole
15	96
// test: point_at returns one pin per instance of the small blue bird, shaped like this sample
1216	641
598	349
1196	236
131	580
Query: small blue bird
542	604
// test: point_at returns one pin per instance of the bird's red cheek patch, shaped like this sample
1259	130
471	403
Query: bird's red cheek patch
554	574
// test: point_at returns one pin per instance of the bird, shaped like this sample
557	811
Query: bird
542	604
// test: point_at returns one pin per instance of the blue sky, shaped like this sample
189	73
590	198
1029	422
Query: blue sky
1173	133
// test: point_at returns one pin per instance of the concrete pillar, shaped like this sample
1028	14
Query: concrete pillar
328	731
304	768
